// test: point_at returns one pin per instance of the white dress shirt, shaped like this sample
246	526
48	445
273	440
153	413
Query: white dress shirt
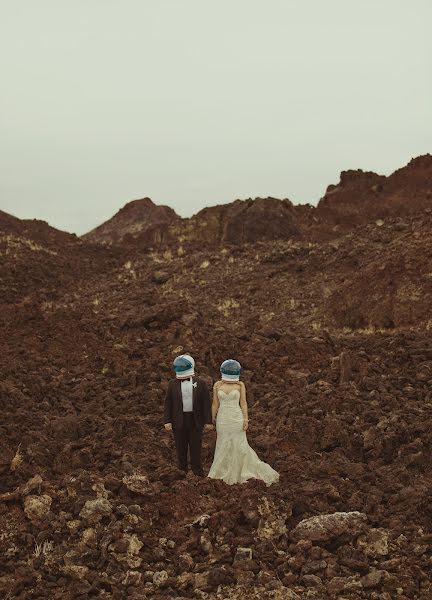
187	397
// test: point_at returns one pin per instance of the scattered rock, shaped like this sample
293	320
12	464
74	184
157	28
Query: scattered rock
185	562
372	579
160	578
137	483
271	524
201	581
95	510
243	554
160	277
132	578
314	566
78	572
34	483
337	585
37	507
205	542
312	581
375	542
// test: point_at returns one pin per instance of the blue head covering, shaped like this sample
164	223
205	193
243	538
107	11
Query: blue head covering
184	366
230	370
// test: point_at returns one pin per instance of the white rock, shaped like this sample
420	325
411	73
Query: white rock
326	527
36	507
74	525
94	510
135	544
375	542
138	483
159	578
132	578
271	523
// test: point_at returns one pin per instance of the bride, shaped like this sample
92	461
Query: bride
234	460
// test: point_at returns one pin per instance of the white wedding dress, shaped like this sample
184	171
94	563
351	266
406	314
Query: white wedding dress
234	460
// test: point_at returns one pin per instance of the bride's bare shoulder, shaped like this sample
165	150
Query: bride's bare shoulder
217	384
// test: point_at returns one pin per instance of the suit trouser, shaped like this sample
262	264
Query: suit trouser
189	436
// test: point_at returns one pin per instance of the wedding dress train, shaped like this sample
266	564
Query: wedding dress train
234	460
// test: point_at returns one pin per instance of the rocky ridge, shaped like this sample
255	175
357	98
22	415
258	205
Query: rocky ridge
359	198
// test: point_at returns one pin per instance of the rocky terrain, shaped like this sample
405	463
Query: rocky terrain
328	309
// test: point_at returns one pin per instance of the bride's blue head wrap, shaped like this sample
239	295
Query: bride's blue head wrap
230	370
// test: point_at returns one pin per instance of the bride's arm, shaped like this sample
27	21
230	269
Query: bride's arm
215	403
243	405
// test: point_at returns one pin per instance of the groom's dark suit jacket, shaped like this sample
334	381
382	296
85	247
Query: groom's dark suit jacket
174	403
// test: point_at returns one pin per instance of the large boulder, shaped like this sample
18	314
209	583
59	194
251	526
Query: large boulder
323	528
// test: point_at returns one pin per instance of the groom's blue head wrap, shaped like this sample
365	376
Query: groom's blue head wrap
184	366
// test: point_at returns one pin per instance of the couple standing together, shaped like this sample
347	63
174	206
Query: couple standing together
188	410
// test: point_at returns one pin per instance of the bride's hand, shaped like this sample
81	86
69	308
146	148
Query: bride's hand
245	424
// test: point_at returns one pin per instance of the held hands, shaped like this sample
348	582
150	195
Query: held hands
207	427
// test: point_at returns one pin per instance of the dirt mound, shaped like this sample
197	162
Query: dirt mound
139	219
37	260
35	230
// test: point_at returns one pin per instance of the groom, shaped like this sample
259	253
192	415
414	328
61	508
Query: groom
187	412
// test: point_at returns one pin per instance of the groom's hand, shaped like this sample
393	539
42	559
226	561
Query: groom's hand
208	427
168	426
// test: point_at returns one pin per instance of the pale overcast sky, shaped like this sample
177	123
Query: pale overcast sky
199	102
